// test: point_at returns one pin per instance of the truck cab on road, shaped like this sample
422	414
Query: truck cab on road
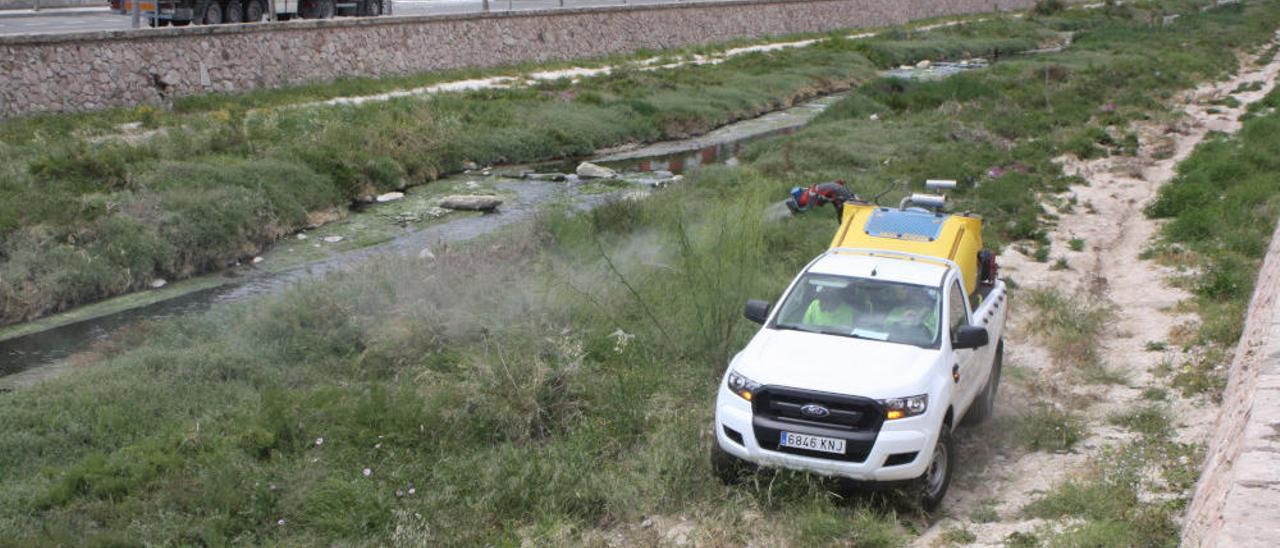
873	356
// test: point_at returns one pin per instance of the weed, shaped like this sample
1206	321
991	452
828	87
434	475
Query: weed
958	536
985	512
1076	244
1060	264
1155	346
1155	394
1148	421
1048	428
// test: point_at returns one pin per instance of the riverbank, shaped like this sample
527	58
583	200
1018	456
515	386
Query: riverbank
554	385
131	197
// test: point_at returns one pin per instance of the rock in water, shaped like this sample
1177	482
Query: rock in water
158	283
588	170
476	202
333	239
426	254
924	64
390	197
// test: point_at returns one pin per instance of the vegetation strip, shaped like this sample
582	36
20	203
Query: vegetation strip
518	390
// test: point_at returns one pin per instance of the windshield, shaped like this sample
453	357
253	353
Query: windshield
863	308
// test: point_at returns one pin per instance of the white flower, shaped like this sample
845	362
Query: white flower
319	441
377	446
280	521
368	472
412	490
621	339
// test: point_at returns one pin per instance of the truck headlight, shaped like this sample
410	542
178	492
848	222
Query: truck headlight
897	408
742	386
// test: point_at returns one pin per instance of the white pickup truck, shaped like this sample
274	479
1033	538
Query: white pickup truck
872	357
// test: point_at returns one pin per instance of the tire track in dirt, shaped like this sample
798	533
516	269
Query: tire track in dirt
1108	216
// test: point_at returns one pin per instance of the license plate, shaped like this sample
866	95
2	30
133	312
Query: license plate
811	443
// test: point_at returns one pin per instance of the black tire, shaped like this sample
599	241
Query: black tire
234	12
253	11
371	8
931	487
212	14
728	468
317	9
327	9
985	404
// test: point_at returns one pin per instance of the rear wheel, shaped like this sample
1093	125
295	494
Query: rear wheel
932	486
253	11
985	404
212	14
234	12
372	8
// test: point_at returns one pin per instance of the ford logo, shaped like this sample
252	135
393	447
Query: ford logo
815	410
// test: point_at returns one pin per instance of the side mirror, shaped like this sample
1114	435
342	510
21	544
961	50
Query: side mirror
758	311
970	336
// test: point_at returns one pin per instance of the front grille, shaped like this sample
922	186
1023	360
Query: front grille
855	419
852	413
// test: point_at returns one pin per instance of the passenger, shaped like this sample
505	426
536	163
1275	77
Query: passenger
829	309
915	308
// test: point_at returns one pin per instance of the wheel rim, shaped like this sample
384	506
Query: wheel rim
937	473
253	13
213	14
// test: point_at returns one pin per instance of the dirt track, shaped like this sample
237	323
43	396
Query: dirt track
1108	217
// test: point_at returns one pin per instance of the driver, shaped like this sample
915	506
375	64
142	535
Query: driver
829	309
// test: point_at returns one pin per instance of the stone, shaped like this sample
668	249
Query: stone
389	197
426	254
469	165
158	283
557	177
588	170
924	64
874	117
333	239
302	236
471	202
257	260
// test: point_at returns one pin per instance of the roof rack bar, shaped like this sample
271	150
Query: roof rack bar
893	254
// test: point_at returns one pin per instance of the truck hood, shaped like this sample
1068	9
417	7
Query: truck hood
830	363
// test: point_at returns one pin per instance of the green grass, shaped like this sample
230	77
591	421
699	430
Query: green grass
486	391
222	177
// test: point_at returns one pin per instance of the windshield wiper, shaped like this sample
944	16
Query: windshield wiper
835	332
797	327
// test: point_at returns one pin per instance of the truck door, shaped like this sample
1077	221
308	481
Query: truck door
965	361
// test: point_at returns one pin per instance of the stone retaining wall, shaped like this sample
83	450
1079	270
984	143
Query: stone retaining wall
96	70
1237	500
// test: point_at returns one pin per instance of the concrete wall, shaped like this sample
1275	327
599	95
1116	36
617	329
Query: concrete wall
1237	500
96	70
45	4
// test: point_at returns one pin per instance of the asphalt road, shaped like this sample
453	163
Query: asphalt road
86	20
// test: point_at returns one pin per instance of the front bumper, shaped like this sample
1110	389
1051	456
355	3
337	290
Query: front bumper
736	433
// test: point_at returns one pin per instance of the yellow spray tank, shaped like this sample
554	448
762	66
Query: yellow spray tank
919	226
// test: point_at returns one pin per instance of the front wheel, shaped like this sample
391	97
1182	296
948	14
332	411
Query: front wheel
728	468
932	486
